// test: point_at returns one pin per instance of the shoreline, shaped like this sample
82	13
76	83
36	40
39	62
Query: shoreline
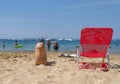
46	51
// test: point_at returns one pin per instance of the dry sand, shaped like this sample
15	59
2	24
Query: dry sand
19	68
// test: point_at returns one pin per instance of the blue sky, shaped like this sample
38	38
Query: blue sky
56	18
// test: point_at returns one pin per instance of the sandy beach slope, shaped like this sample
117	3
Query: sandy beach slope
19	68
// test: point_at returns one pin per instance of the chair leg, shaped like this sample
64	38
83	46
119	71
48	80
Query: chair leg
103	60
108	57
77	57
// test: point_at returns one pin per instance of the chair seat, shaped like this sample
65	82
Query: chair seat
93	55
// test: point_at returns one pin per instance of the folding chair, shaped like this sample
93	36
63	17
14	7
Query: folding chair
94	43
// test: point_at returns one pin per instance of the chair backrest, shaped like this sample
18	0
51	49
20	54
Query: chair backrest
95	41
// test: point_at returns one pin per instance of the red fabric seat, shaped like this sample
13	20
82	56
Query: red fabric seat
93	55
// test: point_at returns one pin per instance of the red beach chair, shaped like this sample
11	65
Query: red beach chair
94	44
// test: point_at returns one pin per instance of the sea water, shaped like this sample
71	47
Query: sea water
65	45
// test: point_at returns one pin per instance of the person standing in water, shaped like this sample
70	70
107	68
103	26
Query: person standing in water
15	44
55	46
48	44
3	45
43	40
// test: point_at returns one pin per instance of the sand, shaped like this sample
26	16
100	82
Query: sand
19	68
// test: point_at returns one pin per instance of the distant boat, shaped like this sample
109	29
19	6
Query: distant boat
60	39
69	39
47	39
